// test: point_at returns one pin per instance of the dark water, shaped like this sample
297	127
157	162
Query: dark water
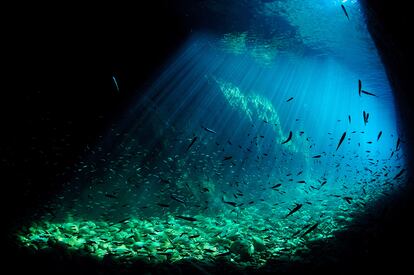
253	141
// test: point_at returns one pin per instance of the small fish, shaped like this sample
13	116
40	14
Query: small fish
349	119
163	205
379	135
301	181
192	142
297	207
367	93
398	144
348	199
359	87
341	140
310	229
316	157
209	130
289	99
346	13
399	174
289	138
232	203
111	196
174	197
190	219
116	83
121	221
194	236
227	157
276	186
364	114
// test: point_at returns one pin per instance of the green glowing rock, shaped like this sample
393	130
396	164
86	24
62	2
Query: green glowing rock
138	245
70	228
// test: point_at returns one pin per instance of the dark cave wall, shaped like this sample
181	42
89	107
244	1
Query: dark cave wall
389	25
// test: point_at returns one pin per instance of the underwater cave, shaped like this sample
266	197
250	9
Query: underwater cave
210	136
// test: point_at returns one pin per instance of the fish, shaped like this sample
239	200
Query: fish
194	236
116	83
316	157
346	13
190	219
209	130
398	144
232	203
276	186
163	205
289	99
172	196
296	208
289	138
341	140
111	196
367	93
365	117
348	199
379	135
297	232
192	142
359	87
349	119
227	157
399	174
310	229
301	181
121	221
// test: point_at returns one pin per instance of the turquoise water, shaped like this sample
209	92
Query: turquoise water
240	135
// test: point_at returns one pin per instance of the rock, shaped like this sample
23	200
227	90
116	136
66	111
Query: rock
258	244
70	228
138	245
243	248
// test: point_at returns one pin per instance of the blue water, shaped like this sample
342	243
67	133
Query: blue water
210	128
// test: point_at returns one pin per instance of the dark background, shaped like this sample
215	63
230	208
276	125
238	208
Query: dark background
58	96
